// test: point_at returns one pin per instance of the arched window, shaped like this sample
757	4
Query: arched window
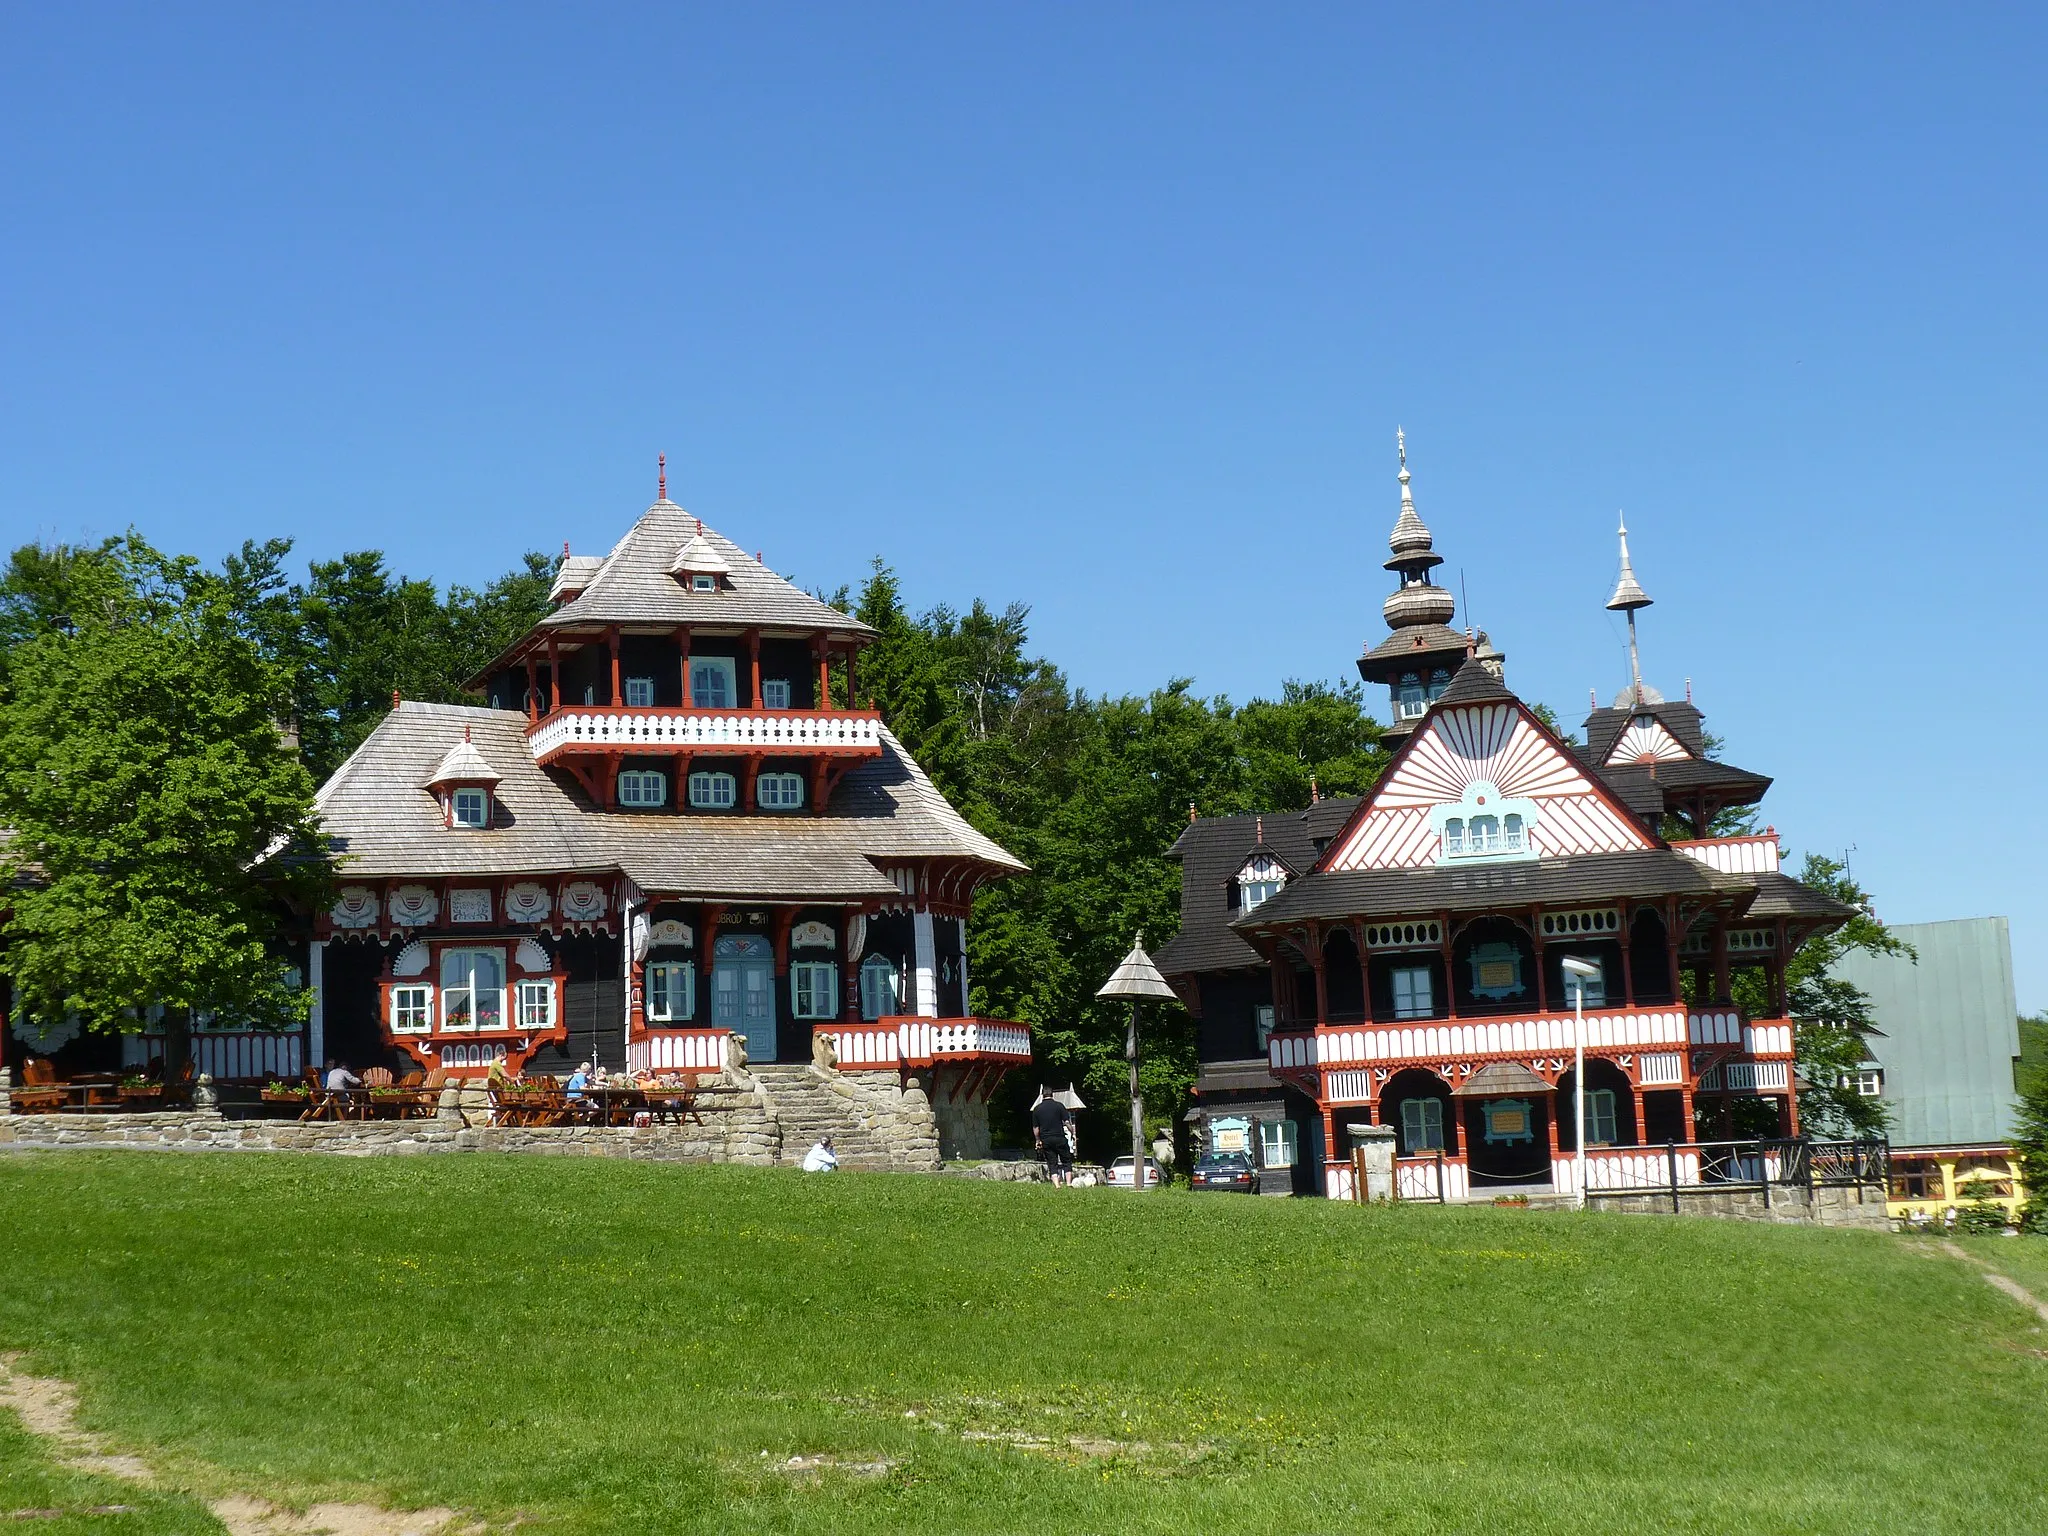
1454	837
1409	700
1511	833
1439	680
1483	835
880	988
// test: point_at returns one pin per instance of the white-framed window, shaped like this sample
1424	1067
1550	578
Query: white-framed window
1439	680
713	791
881	988
1422	1126
1870	1082
536	1005
702	583
779	791
1454	837
712	684
1256	892
814	989
775	693
1277	1143
472	989
1511	833
671	991
640	693
1413	996
472	807
1600	1117
1482	835
1262	1022
643	786
1594	987
1410	703
412	1010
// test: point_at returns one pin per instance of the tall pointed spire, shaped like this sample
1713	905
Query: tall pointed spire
1628	597
661	482
1409	538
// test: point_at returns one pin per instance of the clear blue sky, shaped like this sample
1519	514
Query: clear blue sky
1114	310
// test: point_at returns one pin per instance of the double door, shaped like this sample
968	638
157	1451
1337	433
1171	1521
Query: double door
743	992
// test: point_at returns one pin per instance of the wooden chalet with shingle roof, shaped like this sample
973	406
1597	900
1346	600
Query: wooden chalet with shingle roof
664	832
1406	966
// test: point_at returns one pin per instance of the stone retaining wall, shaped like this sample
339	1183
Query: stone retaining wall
1827	1207
736	1129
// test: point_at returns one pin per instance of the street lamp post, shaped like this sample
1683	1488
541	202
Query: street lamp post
1137	978
1578	972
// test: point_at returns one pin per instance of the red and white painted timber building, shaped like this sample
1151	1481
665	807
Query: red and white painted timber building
1396	959
662	830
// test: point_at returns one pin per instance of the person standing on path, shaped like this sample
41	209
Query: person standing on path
1049	1128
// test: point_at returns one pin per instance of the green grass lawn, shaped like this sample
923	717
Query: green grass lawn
606	1346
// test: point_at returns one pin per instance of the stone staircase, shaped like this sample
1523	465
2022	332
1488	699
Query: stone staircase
874	1125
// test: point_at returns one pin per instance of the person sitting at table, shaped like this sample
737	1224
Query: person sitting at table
579	1080
821	1158
339	1079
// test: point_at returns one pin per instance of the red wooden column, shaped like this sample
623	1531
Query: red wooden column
683	640
532	689
554	674
611	781
1542	971
612	640
754	668
748	775
1635	1094
707	956
1315	938
849	972
1671	938
824	699
852	677
819	789
1721	992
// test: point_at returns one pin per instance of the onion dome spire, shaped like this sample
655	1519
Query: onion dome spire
1417	600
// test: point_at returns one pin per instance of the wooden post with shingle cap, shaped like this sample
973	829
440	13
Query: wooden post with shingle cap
1137	978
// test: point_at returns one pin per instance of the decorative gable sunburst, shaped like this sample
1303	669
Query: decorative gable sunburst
1645	741
1470	750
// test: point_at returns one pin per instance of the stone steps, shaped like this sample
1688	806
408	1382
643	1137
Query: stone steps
807	1105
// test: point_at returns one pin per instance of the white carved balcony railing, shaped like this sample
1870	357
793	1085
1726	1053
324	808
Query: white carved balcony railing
1607	1028
228	1056
1734	855
838	732
678	1050
916	1041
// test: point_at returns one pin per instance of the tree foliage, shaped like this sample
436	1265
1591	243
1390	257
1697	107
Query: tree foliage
1832	1017
1091	793
152	802
2030	1135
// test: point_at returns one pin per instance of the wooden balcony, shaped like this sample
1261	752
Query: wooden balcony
1422	1040
607	730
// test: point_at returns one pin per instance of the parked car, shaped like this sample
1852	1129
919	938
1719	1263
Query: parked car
1120	1173
1226	1171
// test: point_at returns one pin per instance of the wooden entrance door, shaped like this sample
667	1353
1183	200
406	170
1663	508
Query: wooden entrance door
743	992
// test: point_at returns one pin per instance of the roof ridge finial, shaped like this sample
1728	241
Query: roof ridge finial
1258	829
1401	450
661	477
1628	597
465	733
565	549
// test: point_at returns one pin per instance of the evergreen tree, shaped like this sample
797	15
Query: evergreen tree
2030	1135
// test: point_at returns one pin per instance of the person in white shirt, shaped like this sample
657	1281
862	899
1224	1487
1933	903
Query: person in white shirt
339	1078
821	1158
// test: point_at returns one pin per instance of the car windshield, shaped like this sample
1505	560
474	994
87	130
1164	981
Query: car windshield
1231	1160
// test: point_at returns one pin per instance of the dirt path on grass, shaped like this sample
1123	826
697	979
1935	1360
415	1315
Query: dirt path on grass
48	1409
2005	1283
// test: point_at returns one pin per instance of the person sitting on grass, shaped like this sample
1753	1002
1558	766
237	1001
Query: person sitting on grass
821	1158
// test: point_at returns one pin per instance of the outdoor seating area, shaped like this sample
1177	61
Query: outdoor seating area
43	1092
644	1099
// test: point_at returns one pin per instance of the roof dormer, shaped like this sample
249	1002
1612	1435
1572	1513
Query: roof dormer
465	784
699	567
573	576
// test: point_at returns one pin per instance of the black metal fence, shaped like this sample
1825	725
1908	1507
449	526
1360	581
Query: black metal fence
1727	1167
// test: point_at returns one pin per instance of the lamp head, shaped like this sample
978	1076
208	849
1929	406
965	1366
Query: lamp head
1585	970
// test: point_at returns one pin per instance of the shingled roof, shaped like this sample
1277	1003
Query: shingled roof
635	584
387	827
1211	852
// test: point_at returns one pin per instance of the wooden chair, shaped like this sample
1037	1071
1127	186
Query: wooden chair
40	1093
320	1104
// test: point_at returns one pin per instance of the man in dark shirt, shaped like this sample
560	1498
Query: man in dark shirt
1049	1126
